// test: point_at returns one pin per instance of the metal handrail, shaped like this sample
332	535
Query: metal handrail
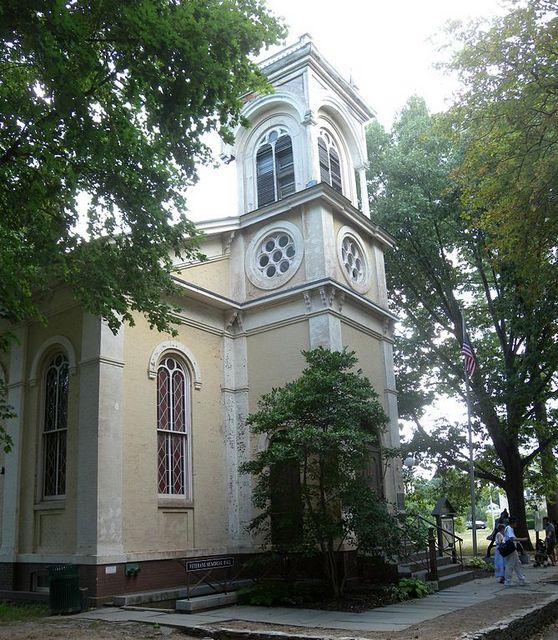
450	549
419	548
454	549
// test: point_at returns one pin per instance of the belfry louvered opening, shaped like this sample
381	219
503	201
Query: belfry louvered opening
330	166
275	166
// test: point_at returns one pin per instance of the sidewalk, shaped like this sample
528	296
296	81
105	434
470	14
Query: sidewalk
541	594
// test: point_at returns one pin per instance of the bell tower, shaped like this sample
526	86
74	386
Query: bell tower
309	130
307	264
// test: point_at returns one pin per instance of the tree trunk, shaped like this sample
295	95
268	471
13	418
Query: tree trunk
552	507
331	568
516	498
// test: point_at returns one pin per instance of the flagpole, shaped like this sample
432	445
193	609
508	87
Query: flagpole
470	438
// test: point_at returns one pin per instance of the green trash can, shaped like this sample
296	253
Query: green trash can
64	593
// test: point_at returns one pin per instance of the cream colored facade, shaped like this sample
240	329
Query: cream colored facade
241	333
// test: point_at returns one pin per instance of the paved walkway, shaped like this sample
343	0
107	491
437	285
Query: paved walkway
395	617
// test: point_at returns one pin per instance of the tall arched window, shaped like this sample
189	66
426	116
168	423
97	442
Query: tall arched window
173	427
274	166
55	426
330	167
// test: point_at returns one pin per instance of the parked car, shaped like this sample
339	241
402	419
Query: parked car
479	524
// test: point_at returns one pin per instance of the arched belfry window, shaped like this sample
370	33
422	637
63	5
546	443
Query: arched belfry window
173	427
330	167
274	166
55	426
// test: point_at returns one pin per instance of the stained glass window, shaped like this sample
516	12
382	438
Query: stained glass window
173	427
55	426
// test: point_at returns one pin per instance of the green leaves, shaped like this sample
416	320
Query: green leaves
112	99
320	428
509	106
470	198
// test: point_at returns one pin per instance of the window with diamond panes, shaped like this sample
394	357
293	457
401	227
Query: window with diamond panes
55	426
274	166
173	427
275	255
330	167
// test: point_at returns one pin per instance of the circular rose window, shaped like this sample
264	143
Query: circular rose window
274	255
353	260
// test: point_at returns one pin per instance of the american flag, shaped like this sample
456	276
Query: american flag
468	358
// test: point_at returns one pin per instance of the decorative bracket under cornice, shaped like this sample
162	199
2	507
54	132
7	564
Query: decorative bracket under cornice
234	318
389	327
227	241
329	295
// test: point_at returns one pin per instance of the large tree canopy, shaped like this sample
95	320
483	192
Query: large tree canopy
507	108
507	111
444	263
112	98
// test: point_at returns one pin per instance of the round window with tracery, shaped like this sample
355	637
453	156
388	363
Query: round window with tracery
276	255
353	260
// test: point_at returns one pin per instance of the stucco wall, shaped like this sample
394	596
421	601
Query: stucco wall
213	275
371	359
48	526
274	358
368	350
149	525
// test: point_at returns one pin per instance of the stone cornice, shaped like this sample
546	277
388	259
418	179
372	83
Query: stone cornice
304	53
325	194
326	289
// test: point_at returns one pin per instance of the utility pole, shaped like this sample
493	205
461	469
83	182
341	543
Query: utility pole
469	366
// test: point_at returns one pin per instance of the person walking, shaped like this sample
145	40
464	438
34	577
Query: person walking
499	565
512	563
550	540
503	519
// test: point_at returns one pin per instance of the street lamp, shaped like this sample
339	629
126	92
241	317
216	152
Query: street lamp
410	461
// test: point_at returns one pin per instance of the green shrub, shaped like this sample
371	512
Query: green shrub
408	588
479	563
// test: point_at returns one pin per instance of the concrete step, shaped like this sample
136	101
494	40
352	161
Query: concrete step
451	580
144	598
201	603
448	569
412	566
420	557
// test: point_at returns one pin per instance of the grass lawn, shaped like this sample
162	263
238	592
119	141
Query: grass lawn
11	612
482	542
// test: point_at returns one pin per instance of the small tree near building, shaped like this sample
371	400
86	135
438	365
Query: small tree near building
311	488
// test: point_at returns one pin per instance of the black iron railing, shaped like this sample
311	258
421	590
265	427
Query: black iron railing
423	541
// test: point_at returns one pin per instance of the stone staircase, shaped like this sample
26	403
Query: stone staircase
449	573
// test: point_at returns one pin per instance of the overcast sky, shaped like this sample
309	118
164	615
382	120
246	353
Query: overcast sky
388	47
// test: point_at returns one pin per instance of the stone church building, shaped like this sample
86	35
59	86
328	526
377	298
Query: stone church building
126	447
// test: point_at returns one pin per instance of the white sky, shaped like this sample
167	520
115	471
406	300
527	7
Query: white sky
388	48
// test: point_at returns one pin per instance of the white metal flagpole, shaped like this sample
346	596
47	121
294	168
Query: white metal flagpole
467	371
